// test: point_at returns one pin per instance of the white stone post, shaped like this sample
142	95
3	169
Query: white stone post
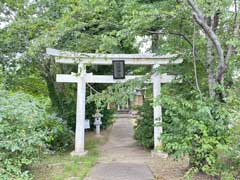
80	114
157	110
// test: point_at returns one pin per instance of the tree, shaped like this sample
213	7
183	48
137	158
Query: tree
67	25
209	24
204	33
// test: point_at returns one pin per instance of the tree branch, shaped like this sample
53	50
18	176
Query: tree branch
215	21
174	33
199	18
184	38
195	65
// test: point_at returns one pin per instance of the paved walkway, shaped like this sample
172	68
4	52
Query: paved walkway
121	158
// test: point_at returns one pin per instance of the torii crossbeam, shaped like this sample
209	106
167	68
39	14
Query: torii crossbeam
82	59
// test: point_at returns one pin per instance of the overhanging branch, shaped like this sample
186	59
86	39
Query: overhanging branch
174	33
181	35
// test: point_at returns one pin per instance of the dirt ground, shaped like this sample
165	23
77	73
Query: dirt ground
169	169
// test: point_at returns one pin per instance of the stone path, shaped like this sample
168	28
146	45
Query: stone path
121	158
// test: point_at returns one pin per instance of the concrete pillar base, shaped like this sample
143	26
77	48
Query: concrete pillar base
74	153
158	153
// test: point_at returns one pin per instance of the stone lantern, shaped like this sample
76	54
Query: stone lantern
138	97
97	116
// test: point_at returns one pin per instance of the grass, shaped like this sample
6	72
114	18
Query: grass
62	165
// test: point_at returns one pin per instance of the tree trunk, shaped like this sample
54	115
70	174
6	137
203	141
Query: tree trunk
53	91
56	103
155	39
210	69
209	29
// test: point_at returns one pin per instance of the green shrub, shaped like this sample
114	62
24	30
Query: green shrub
60	136
22	138
228	160
107	119
26	131
143	131
195	128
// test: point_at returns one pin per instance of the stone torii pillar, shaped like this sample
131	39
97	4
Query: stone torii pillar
157	110
80	113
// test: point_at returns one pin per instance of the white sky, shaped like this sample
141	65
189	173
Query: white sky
3	24
144	43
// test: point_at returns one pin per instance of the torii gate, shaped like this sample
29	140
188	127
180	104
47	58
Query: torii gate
82	59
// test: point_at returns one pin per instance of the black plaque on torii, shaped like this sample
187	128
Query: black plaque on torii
118	69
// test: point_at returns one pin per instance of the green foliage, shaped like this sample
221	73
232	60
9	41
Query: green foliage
67	25
22	138
228	160
26	131
193	127
199	129
59	134
118	93
107	119
143	131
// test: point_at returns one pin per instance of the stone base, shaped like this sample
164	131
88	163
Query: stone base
157	153
73	153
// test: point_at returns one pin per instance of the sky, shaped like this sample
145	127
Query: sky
144	43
